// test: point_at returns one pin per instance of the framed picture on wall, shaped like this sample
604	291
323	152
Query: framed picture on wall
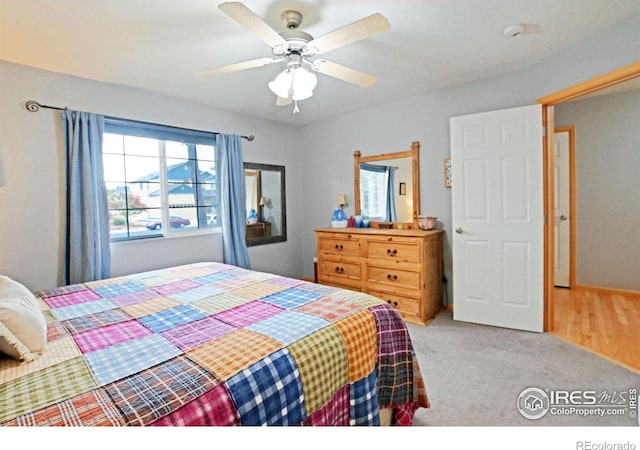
447	172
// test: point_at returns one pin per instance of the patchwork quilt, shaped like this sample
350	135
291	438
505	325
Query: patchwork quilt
213	344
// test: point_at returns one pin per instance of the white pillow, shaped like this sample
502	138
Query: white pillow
23	328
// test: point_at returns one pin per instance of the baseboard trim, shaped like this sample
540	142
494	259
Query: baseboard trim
611	291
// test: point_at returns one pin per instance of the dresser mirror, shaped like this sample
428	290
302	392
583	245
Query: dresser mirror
265	194
387	187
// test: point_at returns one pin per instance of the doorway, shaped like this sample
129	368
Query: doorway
623	74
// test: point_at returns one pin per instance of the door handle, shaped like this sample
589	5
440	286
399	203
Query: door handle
459	230
563	217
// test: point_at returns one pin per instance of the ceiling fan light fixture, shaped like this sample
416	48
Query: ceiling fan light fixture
296	83
281	85
304	82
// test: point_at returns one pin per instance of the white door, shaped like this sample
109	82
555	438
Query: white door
562	230
498	218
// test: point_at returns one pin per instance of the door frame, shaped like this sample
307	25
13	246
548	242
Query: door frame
548	102
570	129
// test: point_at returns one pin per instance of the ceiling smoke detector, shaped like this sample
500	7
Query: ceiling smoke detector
513	31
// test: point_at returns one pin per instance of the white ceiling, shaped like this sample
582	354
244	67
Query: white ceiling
158	45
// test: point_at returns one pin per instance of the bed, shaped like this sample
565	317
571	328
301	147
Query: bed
211	344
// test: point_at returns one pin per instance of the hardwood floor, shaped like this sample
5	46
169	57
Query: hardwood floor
606	324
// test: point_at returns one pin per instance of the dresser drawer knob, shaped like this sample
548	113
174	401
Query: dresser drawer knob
392	303
392	277
393	252
338	246
339	269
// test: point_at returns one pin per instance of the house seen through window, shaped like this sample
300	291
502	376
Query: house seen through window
161	181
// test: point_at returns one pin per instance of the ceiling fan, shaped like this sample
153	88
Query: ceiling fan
295	49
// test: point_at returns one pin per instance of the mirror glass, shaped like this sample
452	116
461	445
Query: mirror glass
265	204
386	190
386	186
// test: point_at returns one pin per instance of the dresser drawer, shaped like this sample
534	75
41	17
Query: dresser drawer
408	307
339	271
339	246
390	278
393	250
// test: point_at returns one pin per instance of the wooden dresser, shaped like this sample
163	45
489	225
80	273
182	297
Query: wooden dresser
402	267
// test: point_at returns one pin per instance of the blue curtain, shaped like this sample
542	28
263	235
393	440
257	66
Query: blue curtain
231	199
87	252
390	203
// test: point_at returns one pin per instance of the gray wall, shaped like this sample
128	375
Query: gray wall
32	175
318	157
425	118
607	133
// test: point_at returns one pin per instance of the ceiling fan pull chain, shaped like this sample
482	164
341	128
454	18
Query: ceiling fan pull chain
295	108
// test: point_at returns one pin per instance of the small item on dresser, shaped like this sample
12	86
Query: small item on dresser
385	225
427	223
351	222
358	221
365	223
253	217
339	219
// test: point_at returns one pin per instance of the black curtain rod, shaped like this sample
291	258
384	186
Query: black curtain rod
34	106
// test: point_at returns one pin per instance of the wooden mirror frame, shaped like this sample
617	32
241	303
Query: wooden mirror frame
415	179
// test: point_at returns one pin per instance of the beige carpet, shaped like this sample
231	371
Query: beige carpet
474	375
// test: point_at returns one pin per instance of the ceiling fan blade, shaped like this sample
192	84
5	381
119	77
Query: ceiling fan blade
356	31
343	73
248	19
283	101
236	67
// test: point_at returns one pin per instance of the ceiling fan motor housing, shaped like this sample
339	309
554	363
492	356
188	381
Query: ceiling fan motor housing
292	19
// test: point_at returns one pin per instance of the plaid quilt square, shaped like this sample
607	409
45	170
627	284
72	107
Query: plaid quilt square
284	281
248	313
269	392
213	408
212	278
155	392
90	409
360	298
398	383
150	307
196	294
57	351
82	309
171	318
323	365
117	333
220	302
292	298
289	326
72	298
133	297
364	401
331	309
193	334
44	387
118	361
114	290
258	290
334	413
91	321
359	333
233	352
176	287
393	335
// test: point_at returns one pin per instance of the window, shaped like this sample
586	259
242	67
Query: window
160	180
373	193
